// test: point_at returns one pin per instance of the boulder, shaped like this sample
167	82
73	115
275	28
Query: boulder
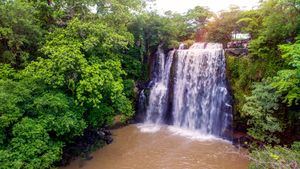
236	52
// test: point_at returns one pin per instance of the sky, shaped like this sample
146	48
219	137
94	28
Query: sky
182	6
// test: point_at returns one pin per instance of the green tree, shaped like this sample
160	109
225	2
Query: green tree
20	32
280	24
221	28
250	22
287	81
261	109
198	17
71	81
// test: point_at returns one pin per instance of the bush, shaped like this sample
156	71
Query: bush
276	157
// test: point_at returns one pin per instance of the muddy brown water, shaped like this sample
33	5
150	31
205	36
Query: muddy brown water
163	149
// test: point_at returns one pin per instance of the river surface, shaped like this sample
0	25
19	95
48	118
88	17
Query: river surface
144	147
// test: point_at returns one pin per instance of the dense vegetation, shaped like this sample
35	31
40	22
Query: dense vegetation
67	67
71	66
266	82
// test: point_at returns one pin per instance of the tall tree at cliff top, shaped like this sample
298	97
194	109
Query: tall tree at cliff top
221	27
197	18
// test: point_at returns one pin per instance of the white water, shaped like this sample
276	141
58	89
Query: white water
158	95
190	89
186	133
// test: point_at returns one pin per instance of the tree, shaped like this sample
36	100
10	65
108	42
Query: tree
221	28
279	25
287	81
250	22
18	33
72	80
35	124
198	17
260	108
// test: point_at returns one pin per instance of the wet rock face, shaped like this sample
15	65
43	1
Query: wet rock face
238	52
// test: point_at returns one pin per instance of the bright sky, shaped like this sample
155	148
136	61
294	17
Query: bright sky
182	6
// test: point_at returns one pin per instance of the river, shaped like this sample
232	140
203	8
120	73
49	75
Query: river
144	147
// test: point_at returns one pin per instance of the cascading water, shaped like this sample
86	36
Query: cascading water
158	95
191	87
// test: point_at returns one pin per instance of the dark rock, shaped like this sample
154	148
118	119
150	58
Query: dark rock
236	51
108	140
107	132
101	134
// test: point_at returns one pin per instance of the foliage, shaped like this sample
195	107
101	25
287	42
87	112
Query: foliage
119	12
270	107
7	72
276	157
151	29
40	122
279	24
198	17
31	147
18	33
242	72
72	80
287	81
260	108
221	28
132	66
170	29
250	22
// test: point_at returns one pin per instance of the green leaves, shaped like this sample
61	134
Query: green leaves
101	89
221	28
57	113
266	97
66	76
18	33
31	147
198	16
271	109
275	157
13	96
39	105
260	108
32	115
287	81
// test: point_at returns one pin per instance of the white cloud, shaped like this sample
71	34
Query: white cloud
182	6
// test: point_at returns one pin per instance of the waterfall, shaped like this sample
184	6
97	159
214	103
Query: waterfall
158	95
190	88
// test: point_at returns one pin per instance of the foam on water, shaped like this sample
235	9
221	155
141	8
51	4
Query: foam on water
194	134
186	133
148	128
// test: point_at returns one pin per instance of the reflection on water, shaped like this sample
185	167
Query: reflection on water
135	147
